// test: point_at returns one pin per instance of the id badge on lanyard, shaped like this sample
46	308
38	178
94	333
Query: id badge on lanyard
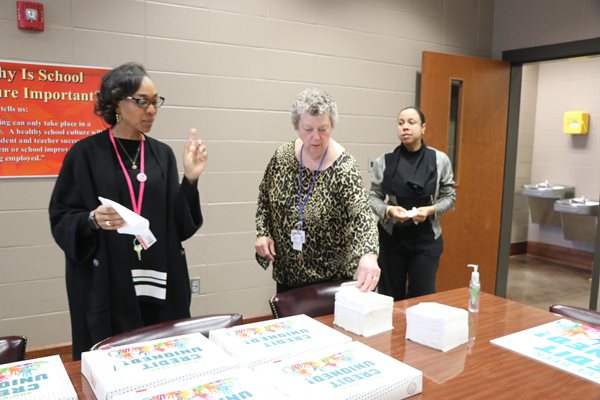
298	239
298	235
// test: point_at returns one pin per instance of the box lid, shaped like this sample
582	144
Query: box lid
38	378
348	371
127	368
260	342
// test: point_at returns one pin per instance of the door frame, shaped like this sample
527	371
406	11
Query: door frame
517	58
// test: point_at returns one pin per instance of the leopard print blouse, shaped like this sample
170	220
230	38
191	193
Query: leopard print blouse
338	222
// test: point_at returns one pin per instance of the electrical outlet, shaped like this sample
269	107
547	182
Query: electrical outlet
371	163
195	285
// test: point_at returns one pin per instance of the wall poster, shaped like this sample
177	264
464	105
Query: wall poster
44	110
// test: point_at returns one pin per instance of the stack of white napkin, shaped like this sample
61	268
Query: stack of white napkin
437	325
363	313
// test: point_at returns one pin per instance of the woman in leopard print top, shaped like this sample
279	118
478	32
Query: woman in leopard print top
313	218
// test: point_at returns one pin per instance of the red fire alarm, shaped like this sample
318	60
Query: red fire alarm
30	15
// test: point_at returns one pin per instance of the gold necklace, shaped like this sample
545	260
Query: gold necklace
132	160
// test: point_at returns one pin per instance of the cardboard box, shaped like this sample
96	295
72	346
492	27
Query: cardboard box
36	379
125	369
265	341
233	384
349	371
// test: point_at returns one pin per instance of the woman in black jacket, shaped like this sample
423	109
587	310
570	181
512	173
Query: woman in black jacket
116	281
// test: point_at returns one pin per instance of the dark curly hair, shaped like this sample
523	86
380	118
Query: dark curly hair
117	84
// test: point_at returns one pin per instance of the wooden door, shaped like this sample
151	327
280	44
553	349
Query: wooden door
472	231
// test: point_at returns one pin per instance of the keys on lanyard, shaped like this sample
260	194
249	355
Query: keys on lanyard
137	247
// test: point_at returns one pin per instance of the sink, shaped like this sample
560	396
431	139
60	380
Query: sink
541	197
547	190
577	205
578	217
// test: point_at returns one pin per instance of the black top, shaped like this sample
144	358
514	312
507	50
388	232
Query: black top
411	176
102	298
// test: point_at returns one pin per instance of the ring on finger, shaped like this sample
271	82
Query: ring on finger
107	223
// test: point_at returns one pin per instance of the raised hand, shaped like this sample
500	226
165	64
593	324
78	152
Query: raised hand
195	157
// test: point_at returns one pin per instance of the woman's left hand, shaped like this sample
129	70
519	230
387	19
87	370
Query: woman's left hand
423	213
367	273
194	157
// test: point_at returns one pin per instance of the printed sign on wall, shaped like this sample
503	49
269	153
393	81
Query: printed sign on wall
44	110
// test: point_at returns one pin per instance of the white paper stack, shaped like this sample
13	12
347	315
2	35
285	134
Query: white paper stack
260	342
233	384
349	371
124	369
437	325
363	313
36	379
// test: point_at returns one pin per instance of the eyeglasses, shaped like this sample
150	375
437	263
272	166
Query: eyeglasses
143	102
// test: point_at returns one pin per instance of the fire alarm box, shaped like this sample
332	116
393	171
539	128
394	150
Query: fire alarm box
30	15
576	122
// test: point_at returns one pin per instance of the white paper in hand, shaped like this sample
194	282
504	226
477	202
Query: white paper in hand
136	224
412	213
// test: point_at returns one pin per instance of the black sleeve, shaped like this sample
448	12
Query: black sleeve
68	209
188	213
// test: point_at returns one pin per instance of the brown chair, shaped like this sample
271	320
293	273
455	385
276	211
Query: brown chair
12	348
585	315
203	324
313	300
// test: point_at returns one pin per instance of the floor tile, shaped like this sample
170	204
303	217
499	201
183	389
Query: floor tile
541	283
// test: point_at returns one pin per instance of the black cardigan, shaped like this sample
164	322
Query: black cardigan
102	298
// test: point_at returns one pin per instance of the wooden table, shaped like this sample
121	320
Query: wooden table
477	370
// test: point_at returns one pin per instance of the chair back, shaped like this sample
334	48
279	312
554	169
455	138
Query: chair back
203	324
12	348
313	300
585	315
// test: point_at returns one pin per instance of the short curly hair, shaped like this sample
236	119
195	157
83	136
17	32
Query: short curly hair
117	84
314	102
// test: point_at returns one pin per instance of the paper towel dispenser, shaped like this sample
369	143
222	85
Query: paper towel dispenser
576	122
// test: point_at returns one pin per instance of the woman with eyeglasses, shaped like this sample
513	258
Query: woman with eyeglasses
313	220
120	281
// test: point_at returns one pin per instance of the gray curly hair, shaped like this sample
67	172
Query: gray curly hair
314	102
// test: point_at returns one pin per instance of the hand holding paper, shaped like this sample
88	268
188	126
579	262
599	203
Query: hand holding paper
410	214
136	224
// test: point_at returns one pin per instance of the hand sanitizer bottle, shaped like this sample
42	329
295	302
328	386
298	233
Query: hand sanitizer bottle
474	289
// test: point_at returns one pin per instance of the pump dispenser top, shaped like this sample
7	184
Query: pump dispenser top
475	273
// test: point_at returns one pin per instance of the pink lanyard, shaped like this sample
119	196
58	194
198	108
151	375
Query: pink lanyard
137	205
